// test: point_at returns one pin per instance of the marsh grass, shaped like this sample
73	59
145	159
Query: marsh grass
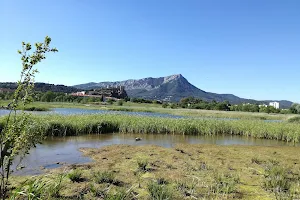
281	181
295	119
256	160
225	183
55	125
104	177
142	164
40	188
185	180
76	175
159	191
187	187
120	194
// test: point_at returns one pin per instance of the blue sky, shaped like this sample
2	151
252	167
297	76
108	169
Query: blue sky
249	48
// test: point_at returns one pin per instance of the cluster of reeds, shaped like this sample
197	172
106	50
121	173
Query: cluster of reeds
56	125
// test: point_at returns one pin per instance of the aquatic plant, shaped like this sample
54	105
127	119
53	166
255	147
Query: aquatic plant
56	125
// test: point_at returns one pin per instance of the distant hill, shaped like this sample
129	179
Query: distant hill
171	88
43	87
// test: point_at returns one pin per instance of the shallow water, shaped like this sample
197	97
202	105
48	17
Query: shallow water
55	152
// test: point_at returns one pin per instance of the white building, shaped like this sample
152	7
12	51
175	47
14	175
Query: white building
274	104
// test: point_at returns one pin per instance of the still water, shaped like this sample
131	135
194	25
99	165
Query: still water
58	151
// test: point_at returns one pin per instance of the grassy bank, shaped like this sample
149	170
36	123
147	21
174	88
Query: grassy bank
184	172
55	125
143	107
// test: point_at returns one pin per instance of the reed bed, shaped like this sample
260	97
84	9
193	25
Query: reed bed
57	125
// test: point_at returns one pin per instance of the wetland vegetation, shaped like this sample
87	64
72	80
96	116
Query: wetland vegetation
57	125
182	172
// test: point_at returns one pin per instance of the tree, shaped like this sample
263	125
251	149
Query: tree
17	136
48	96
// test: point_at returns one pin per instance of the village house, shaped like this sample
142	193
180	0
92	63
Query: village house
274	104
109	92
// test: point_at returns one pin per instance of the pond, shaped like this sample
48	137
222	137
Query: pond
58	151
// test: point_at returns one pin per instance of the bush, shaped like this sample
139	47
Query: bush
165	105
173	106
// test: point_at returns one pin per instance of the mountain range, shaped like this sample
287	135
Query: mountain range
171	88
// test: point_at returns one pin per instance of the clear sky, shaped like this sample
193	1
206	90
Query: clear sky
250	48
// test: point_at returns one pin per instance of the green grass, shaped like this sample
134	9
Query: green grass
56	125
143	107
295	119
104	177
159	191
75	175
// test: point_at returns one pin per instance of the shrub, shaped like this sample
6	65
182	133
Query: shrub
165	105
173	106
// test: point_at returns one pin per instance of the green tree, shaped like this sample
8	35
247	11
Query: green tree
16	136
48	96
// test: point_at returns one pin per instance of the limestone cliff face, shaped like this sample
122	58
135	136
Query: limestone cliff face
169	88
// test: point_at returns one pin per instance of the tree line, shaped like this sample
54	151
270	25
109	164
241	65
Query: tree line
188	102
196	103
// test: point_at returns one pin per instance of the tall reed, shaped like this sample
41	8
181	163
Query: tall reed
57	125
